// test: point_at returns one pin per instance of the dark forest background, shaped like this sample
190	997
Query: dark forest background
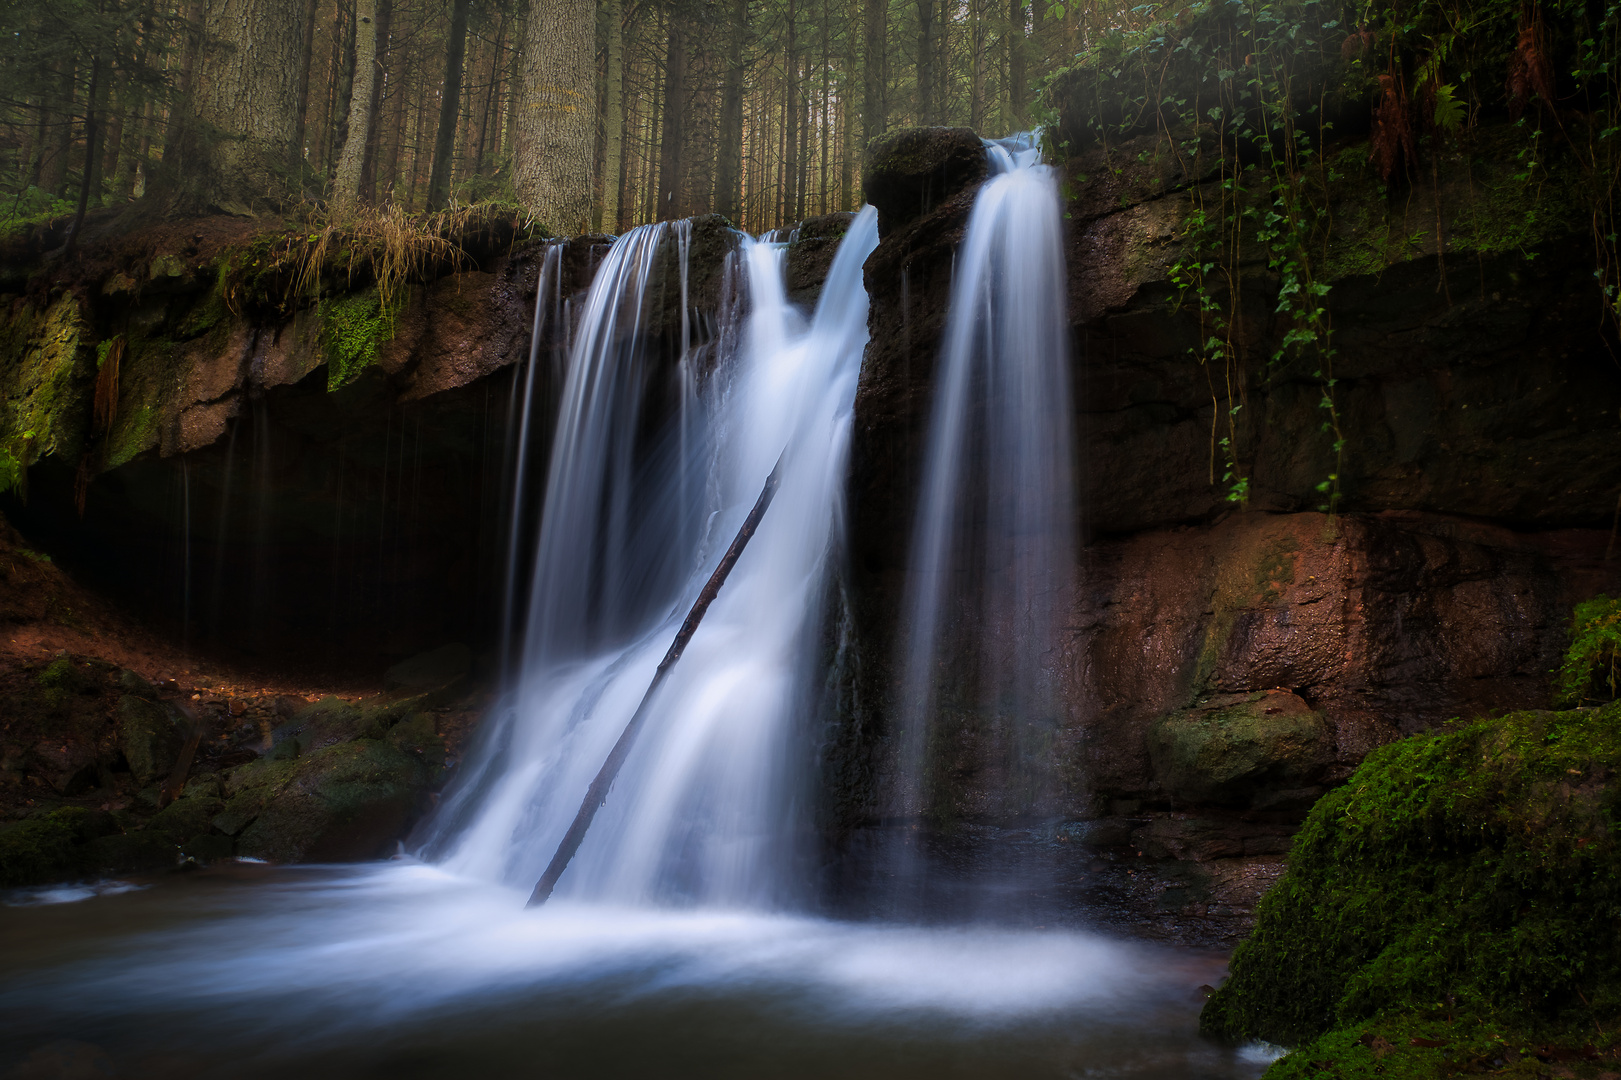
757	109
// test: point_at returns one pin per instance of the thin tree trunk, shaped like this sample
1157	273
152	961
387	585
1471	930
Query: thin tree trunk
296	159
976	59
790	119
344	110
374	109
416	138
352	160
92	130
827	74
802	184
613	117
552	163
1016	53
597	793
873	111
449	107
729	169
490	95
56	135
671	198
942	64
396	142
925	62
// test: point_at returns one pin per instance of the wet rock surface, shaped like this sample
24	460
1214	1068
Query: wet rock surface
1479	486
910	172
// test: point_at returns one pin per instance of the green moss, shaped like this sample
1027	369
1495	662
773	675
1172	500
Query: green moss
212	310
353	328
64	674
1468	880
46	365
346	801
49	846
1592	667
134	432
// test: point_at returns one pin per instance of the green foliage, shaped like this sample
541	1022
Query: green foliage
13	472
1592	667
353	327
1461	888
31	207
1248	91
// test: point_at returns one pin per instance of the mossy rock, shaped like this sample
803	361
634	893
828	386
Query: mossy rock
419	737
151	737
910	172
349	801
1463	889
64	674
187	817
47	366
1241	750
51	846
333	720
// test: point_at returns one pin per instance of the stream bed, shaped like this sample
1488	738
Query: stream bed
402	970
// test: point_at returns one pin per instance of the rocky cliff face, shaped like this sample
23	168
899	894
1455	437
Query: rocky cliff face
323	480
1226	662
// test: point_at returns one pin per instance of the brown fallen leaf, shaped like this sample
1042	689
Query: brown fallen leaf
1431	1043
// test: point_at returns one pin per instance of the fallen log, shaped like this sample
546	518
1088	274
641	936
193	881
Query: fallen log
597	793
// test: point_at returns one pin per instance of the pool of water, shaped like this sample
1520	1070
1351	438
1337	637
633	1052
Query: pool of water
401	970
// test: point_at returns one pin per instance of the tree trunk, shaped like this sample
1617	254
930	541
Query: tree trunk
626	118
92	129
942	64
613	114
396	125
976	59
873	113
925	62
295	160
351	162
729	167
552	164
374	109
449	106
346	80
1016	52
490	95
790	119
56	135
672	145
236	128
827	98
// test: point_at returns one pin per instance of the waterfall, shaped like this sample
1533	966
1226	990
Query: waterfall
993	541
653	466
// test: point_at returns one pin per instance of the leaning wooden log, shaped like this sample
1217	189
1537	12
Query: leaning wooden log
597	793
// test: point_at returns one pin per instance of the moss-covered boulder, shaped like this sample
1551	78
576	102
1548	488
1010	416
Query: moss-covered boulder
1456	904
1241	750
51	845
353	800
150	735
910	172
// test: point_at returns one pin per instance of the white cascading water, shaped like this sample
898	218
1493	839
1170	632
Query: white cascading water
702	810
993	541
